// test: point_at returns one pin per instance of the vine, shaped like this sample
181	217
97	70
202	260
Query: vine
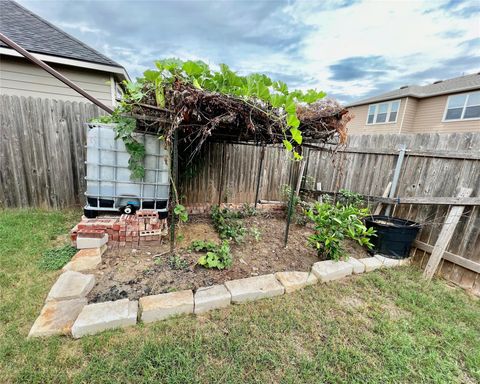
256	90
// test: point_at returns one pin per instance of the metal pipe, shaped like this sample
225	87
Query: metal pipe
53	72
396	176
290	204
259	176
172	193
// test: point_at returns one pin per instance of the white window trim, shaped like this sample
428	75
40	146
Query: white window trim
389	109
464	108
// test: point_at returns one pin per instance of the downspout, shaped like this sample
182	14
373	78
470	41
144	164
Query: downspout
53	72
403	115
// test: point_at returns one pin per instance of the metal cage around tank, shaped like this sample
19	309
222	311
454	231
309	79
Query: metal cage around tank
108	177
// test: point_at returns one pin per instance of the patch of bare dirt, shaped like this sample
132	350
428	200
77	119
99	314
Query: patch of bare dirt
149	270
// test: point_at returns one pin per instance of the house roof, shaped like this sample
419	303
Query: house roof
457	84
39	36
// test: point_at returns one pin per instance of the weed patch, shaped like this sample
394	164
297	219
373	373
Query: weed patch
56	258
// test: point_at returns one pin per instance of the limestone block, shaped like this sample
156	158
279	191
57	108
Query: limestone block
295	280
208	298
254	288
329	270
160	307
57	317
98	317
371	263
358	267
71	285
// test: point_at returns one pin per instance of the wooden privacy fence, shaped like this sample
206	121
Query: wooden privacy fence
42	165
435	166
42	151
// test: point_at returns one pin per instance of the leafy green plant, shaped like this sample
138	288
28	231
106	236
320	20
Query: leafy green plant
219	258
286	193
228	224
56	258
177	263
335	222
255	232
248	210
258	90
124	128
159	261
181	212
202	246
346	197
253	87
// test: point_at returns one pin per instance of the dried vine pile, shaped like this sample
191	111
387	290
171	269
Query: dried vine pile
199	104
200	115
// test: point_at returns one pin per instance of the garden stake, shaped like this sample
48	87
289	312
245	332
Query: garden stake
174	180
289	211
259	176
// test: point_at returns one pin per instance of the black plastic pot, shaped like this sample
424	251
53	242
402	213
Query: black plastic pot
394	235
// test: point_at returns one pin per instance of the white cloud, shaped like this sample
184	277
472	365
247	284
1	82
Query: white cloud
82	27
346	47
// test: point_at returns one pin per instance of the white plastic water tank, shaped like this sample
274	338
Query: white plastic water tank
109	183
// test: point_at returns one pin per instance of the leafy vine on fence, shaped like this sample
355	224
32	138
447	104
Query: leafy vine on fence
258	91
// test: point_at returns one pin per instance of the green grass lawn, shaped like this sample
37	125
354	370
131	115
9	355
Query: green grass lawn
383	327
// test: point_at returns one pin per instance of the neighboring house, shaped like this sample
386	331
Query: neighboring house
89	69
445	106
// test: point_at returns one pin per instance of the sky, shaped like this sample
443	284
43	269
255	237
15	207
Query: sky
351	49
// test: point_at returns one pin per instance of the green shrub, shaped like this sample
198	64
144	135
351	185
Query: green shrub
248	210
177	263
56	258
228	224
202	246
219	258
346	197
335	222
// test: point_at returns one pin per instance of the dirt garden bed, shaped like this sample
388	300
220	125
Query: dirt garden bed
148	270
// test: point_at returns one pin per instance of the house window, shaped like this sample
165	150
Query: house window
383	113
465	106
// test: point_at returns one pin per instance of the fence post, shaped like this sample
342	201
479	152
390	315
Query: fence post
396	175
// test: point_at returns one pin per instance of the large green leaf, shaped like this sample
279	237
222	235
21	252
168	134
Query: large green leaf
194	68
290	105
312	95
151	75
277	100
280	86
296	135
292	121
287	145
262	91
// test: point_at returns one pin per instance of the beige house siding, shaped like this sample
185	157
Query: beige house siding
408	119
415	116
21	78
429	118
358	124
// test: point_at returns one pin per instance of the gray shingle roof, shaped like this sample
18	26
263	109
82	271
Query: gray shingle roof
37	35
457	84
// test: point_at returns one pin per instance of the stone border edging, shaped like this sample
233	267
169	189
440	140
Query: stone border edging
77	318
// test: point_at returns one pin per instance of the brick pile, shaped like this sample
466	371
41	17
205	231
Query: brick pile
125	230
